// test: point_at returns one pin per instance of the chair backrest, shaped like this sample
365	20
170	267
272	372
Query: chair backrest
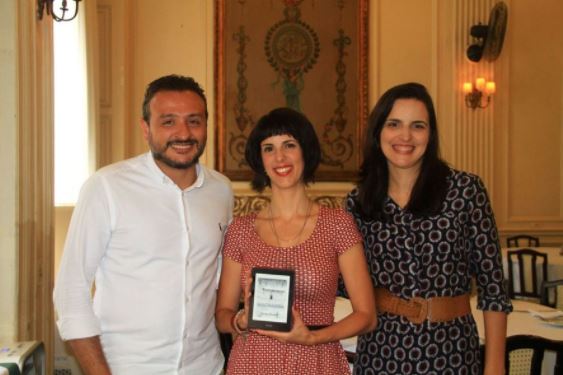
536	347
226	342
350	356
514	241
519	257
548	294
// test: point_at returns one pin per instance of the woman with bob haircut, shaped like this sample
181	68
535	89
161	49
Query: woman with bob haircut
293	232
428	230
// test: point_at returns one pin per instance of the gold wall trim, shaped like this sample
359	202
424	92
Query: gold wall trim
246	204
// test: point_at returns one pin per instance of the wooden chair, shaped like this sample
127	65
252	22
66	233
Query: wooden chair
226	342
350	356
521	257
525	353
514	241
548	295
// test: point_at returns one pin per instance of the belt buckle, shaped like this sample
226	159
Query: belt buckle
422	312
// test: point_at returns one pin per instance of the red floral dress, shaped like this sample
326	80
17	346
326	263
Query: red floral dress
315	262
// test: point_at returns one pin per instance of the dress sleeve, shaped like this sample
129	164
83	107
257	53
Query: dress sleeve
350	207
346	234
231	245
486	260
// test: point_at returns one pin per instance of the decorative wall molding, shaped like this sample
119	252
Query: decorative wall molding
546	219
246	204
473	130
509	127
479	141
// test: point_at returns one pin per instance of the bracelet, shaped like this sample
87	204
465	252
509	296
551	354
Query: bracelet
234	323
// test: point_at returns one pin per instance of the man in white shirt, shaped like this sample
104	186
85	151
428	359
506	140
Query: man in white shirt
149	230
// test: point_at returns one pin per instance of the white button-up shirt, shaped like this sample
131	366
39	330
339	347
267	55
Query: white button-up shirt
154	252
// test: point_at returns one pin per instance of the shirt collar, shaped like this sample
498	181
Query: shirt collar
163	178
199	179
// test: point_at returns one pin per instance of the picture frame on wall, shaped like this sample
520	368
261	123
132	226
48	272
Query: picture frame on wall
309	55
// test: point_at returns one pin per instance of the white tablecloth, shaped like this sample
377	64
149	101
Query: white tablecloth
519	322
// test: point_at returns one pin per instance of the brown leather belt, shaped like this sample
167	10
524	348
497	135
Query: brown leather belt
417	309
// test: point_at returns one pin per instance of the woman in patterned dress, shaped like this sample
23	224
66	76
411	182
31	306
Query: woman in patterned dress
427	229
317	242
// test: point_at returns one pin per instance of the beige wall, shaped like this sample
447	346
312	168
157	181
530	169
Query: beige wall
396	56
409	40
529	156
171	37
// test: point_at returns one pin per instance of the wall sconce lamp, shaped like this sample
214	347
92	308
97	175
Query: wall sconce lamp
478	95
47	5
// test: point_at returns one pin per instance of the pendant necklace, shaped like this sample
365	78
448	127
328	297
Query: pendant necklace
273	226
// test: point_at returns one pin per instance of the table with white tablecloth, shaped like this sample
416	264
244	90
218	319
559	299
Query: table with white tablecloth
554	266
520	322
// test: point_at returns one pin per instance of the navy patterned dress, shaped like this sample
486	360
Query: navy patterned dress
429	257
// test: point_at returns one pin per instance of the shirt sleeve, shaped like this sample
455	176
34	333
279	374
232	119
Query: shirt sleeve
230	206
486	260
88	235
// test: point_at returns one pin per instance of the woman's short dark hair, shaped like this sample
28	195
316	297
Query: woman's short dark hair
430	188
282	121
172	82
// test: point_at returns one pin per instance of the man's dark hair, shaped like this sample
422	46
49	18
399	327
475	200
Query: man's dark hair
282	121
172	82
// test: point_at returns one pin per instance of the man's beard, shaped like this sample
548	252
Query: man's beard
159	153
